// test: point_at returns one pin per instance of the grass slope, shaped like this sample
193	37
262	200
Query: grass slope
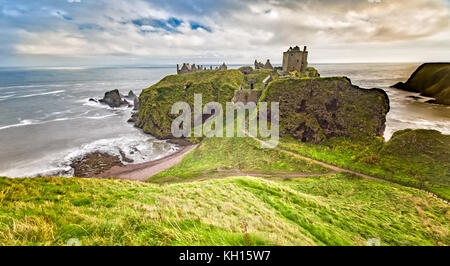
417	158
332	210
242	154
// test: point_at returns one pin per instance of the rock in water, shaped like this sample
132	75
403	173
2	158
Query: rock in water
430	79
133	117
131	96
94	163
136	104
313	110
113	99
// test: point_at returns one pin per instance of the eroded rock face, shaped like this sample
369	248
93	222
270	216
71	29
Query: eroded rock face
113	99
156	101
313	110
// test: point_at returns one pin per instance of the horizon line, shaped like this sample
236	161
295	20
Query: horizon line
205	64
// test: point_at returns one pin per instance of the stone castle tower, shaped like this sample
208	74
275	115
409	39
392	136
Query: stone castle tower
295	59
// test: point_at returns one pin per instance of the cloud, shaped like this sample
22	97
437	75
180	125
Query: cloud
235	31
61	14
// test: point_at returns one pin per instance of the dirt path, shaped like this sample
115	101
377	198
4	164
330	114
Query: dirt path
141	172
332	167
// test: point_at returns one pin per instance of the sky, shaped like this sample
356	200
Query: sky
150	32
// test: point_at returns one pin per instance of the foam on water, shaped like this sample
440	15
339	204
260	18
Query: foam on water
24	122
137	147
41	94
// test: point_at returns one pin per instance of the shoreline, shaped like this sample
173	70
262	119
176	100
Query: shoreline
143	171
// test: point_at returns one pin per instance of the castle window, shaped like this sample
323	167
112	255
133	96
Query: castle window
297	60
292	54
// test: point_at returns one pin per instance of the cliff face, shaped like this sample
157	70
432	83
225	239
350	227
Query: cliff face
430	79
312	110
156	102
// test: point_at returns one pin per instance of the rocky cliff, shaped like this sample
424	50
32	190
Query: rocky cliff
430	79
155	103
315	109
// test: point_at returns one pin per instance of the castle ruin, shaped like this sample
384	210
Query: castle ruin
295	60
259	65
187	68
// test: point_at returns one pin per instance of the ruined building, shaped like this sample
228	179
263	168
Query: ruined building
223	66
259	65
295	60
186	68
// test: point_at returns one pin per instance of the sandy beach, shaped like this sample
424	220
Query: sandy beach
143	171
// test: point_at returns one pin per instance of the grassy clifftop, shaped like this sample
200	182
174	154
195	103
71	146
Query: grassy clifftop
432	80
156	101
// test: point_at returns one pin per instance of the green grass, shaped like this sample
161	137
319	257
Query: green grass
417	158
208	207
257	76
310	72
234	154
331	210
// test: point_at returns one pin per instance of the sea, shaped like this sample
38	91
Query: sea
47	120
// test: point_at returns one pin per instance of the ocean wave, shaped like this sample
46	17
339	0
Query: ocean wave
393	125
138	148
86	102
41	94
6	97
25	122
17	87
62	112
31	122
99	117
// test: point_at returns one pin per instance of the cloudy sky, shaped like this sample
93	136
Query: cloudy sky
150	32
